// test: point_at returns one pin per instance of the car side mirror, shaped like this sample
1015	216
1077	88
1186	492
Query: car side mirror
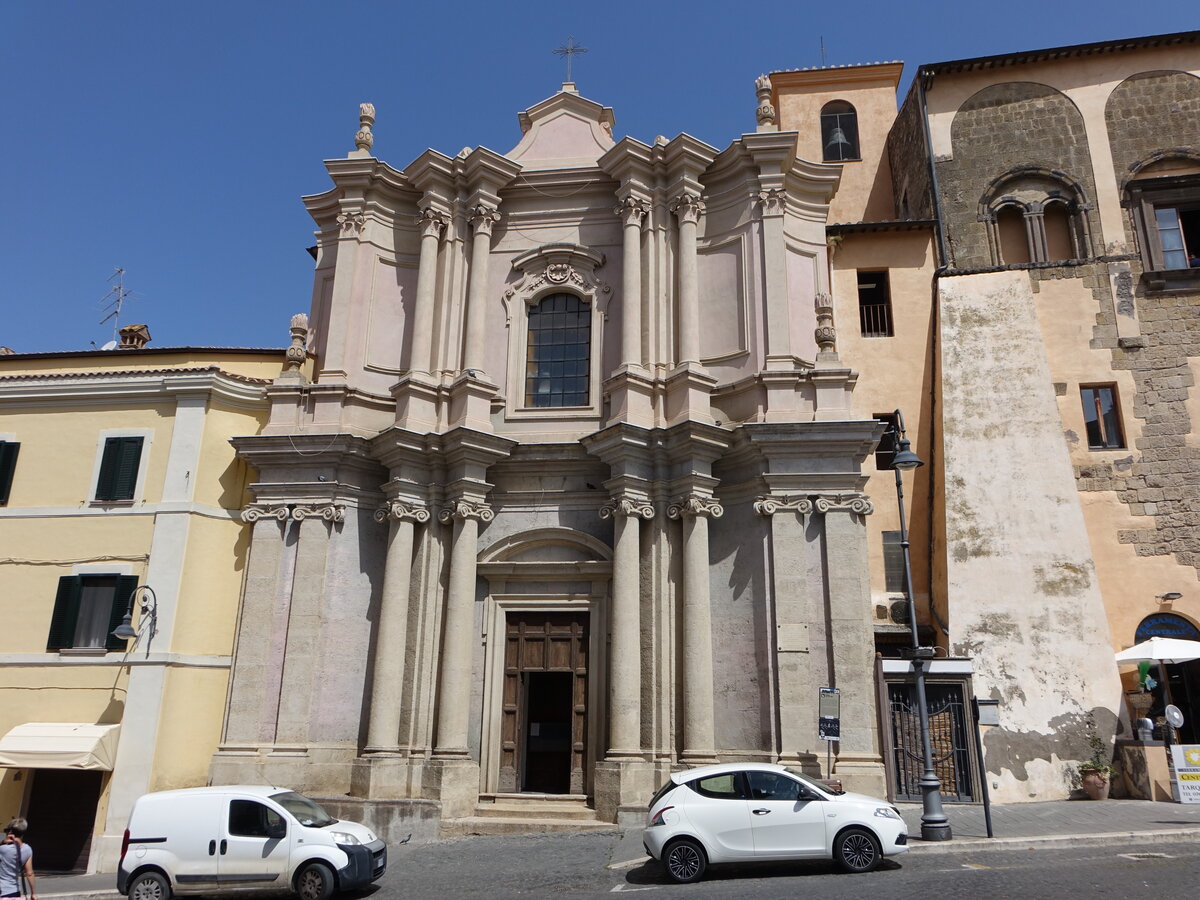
277	829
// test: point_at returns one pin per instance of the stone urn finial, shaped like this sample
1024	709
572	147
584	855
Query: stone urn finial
766	111
295	355
364	139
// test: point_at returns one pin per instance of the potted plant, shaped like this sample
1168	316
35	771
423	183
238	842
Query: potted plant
1095	771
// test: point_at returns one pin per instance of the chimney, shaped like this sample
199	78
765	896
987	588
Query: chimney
134	337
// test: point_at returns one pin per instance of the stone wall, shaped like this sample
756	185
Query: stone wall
1151	113
999	129
908	156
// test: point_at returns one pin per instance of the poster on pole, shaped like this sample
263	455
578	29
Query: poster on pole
1186	758
829	715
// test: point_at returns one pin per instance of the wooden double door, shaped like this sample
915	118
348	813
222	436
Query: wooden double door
543	728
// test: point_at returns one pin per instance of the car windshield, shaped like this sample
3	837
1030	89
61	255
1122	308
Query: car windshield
306	811
812	782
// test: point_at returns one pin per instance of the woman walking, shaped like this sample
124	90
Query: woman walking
16	861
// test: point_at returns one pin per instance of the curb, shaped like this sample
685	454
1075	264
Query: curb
82	895
1050	841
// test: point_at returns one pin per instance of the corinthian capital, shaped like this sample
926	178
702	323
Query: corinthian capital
401	512
773	201
850	502
627	506
695	505
687	207
483	217
632	211
431	221
768	506
352	221
465	509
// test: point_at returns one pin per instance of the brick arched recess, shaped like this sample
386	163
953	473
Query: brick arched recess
1151	117
1001	128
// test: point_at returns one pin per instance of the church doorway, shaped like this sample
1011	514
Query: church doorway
543	729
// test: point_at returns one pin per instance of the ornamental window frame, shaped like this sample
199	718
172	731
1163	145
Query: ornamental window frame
559	268
1032	191
1148	193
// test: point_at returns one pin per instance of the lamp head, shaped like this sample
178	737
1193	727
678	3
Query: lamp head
905	458
125	631
1169	596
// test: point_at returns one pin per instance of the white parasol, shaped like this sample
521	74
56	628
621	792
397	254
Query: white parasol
1161	649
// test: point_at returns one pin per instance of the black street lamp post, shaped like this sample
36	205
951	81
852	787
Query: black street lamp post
934	824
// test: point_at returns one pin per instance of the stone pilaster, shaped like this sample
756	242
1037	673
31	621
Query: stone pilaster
699	742
416	392
472	391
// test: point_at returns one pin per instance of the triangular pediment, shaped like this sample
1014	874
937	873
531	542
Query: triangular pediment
563	131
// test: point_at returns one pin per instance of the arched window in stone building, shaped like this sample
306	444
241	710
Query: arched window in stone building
1035	215
839	132
558	352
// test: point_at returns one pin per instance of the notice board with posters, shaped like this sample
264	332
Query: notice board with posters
1186	760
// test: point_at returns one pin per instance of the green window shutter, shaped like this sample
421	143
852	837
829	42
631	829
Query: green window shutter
66	612
119	468
124	590
8	464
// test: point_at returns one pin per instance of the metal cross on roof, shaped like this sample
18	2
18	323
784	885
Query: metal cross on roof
569	49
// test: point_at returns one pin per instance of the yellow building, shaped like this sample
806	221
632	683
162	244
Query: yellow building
116	472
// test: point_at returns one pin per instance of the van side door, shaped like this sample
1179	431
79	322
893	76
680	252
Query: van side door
191	827
255	844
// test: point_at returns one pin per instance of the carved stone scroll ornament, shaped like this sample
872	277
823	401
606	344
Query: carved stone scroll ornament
483	217
352	222
465	509
825	333
627	506
431	222
768	506
765	112
687	207
773	200
401	511
364	139
852	503
695	505
330	512
633	211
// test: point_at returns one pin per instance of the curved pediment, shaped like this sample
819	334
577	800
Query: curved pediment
564	131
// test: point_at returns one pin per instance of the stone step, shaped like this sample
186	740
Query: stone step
511	810
473	825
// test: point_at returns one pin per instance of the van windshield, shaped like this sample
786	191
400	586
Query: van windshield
306	811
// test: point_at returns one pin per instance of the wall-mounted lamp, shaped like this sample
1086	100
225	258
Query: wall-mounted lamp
1168	597
147	621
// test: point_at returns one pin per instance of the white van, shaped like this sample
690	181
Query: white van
205	840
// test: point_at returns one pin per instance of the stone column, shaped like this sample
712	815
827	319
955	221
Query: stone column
458	629
300	661
625	654
483	217
383	727
420	354
852	640
699	741
632	212
687	208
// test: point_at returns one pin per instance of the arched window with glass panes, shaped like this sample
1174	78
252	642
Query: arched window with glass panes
558	352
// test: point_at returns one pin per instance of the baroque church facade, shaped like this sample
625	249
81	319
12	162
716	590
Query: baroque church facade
574	495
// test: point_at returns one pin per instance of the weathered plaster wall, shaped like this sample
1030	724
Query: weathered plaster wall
1019	566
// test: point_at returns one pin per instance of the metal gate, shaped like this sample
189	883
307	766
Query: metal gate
948	722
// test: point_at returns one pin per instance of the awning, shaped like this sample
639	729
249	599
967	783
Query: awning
60	745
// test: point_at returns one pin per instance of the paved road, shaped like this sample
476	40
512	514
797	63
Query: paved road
576	866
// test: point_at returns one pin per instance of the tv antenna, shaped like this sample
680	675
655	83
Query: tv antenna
824	63
112	302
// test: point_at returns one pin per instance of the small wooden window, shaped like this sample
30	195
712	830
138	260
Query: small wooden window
86	610
119	468
8	465
1102	417
558	356
893	563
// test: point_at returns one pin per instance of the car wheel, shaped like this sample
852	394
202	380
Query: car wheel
149	886
857	850
315	882
685	861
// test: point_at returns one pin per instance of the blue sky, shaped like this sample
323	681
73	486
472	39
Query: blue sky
175	140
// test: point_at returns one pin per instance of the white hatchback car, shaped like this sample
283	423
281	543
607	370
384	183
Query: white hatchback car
740	812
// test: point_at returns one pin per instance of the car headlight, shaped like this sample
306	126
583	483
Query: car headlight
886	812
343	837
